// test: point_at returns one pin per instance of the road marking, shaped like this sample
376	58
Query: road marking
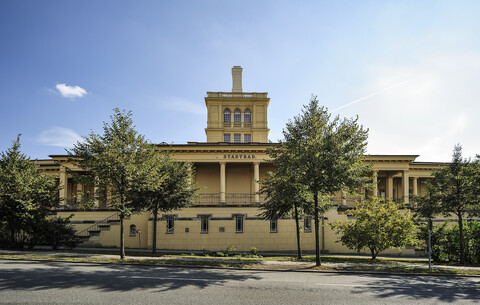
343	285
167	278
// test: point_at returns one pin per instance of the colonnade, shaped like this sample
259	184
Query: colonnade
256	184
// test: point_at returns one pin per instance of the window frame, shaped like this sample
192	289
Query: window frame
273	226
307	228
225	135
239	224
169	225
237	138
204	220
247	114
245	140
134	232
227	116
237	116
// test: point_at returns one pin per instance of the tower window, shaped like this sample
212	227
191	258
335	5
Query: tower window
226	137
247	116
227	116
237	116
247	138
237	138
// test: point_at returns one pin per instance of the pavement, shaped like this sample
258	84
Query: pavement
260	264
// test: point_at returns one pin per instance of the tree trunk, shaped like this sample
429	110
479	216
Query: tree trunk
460	228
155	219
317	234
122	237
299	249
374	255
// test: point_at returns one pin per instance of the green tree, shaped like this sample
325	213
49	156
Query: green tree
327	155
171	187
378	226
454	189
116	162
282	195
27	194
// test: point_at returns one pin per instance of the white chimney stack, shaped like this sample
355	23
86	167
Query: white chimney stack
237	78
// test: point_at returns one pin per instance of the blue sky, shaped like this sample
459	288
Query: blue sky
409	69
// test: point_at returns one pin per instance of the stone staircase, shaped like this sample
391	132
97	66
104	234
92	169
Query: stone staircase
98	227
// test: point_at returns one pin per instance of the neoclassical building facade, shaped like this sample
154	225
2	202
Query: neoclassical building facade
229	166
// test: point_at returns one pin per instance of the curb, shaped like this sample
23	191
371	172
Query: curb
248	269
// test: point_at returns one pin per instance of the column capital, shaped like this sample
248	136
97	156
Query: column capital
222	162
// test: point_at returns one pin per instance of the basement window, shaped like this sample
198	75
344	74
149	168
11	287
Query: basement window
238	224
307	224
273	226
204	224
133	230
170	222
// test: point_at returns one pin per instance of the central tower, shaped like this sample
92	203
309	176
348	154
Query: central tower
237	116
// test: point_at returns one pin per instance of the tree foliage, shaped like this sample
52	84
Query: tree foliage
377	226
27	194
171	187
325	155
453	190
283	194
116	161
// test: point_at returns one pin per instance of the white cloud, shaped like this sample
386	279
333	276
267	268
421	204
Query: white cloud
70	91
179	104
59	136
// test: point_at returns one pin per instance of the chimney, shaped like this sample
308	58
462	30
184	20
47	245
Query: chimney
237	79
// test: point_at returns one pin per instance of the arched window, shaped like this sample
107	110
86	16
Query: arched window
227	116
133	230
237	116
247	116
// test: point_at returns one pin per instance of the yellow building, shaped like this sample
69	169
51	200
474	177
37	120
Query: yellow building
228	167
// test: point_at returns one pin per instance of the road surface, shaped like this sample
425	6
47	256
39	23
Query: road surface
37	282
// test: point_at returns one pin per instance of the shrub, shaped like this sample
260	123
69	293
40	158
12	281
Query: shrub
253	250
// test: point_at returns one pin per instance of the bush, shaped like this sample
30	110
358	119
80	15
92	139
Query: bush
253	250
445	242
55	232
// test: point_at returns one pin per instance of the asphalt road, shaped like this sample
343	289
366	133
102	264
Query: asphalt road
32	282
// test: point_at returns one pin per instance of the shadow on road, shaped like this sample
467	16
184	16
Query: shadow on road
16	275
441	288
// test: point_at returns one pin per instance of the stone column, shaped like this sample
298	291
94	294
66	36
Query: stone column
406	185
256	178
415	186
79	193
222	182
375	184
96	202
389	187
63	184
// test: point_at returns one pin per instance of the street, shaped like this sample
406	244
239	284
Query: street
36	282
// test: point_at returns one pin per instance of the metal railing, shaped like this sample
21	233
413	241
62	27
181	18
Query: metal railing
96	226
230	198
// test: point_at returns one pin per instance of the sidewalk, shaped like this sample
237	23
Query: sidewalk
234	262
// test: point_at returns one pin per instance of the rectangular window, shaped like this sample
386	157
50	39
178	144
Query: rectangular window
238	224
204	224
226	137
307	224
170	225
237	138
273	226
247	138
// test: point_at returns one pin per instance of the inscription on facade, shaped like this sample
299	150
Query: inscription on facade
238	156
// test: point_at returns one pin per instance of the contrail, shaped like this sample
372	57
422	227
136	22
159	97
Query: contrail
373	94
